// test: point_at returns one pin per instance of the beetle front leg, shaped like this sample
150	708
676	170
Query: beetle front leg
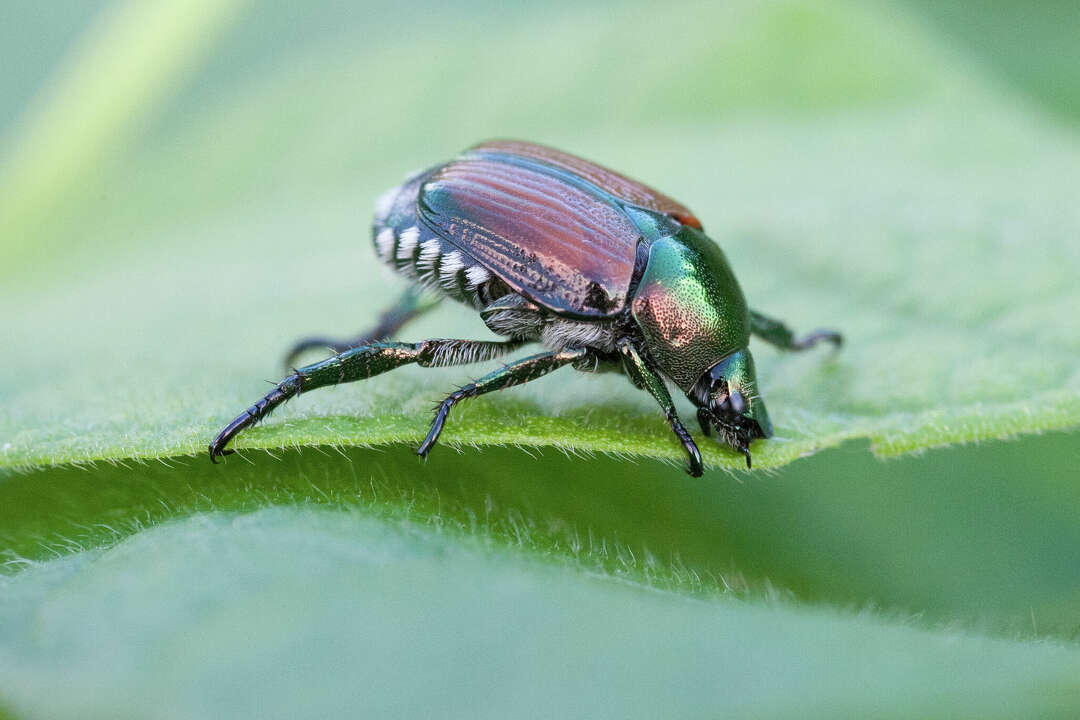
644	376
412	303
360	363
777	333
516	373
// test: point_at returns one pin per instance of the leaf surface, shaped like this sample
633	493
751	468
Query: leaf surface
921	211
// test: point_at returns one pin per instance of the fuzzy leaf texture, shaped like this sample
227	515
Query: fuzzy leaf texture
885	189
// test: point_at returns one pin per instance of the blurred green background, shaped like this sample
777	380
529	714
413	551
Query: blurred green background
186	187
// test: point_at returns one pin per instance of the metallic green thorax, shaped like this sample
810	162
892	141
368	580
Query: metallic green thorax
690	307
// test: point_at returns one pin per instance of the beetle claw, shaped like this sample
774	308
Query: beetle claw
425	447
694	468
215	453
809	341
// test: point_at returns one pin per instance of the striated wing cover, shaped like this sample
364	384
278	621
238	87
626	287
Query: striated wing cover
618	185
558	244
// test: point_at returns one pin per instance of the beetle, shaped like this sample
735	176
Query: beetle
605	272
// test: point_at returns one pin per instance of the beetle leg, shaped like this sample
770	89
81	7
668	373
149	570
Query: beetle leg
516	373
703	421
777	333
412	303
360	363
644	376
513	316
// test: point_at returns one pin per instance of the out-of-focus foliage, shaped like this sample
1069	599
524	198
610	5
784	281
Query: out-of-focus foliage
858	172
1033	48
298	613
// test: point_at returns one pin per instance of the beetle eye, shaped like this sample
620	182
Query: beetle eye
723	399
732	404
736	403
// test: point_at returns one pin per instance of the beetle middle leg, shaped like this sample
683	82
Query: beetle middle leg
777	333
412	303
516	373
361	363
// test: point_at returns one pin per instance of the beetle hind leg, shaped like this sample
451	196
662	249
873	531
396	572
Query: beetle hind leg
777	333
359	363
412	303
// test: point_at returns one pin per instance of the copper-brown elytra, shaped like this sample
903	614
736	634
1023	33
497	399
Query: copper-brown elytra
604	272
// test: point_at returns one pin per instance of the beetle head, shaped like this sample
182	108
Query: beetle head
726	399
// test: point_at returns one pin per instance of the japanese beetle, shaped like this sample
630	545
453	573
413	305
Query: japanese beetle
606	273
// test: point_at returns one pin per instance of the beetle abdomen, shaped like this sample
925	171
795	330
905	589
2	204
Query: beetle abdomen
413	250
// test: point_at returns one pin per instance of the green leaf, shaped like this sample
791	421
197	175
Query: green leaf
859	193
952	537
1036	51
326	614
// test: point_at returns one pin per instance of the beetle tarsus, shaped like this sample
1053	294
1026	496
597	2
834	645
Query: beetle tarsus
409	306
310	343
216	452
777	333
695	468
437	424
245	420
808	341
